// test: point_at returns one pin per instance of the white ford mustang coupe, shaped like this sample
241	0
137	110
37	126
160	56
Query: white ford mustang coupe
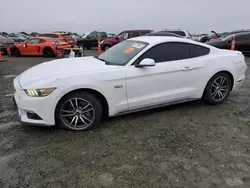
137	74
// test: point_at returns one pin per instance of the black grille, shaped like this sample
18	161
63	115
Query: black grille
32	115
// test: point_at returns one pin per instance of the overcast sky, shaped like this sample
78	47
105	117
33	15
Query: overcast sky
115	15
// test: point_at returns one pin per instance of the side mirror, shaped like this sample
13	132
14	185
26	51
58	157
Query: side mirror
147	62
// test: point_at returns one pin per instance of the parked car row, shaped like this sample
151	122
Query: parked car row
242	43
90	40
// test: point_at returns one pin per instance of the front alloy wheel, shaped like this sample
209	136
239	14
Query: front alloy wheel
79	111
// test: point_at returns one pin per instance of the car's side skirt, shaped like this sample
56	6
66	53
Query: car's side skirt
168	103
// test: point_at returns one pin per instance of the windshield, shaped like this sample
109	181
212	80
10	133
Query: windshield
85	35
123	52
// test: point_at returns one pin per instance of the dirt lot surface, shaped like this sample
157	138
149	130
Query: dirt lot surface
189	145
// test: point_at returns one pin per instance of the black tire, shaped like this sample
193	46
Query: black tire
48	52
81	44
4	51
217	95
64	111
15	52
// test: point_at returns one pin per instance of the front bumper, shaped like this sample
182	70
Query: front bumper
44	107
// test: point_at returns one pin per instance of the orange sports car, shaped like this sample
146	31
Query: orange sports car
39	46
60	36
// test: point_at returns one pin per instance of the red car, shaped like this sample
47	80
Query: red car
39	46
66	37
108	43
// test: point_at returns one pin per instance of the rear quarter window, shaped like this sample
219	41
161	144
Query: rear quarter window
197	51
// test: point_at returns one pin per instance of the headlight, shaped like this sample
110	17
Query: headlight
39	92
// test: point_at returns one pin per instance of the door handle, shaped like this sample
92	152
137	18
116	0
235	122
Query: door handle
186	68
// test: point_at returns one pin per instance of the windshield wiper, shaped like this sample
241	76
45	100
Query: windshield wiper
106	62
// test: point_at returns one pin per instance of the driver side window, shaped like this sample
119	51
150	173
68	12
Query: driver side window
171	51
33	41
123	36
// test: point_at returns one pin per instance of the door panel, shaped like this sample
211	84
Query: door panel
32	49
165	82
177	75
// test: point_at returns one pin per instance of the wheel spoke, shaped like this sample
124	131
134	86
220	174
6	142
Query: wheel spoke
86	106
222	81
72	104
67	115
215	85
66	111
214	94
76	122
85	117
220	95
76	104
83	121
224	87
87	110
72	121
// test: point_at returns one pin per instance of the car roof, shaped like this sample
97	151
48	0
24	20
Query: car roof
44	38
154	40
49	33
240	33
137	30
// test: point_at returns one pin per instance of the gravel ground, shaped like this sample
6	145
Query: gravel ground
188	145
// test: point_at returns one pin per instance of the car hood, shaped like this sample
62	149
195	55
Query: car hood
57	69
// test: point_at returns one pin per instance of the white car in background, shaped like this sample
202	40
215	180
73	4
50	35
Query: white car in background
136	74
181	32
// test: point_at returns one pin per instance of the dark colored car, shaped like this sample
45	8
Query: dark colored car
163	33
108	43
235	32
242	42
91	40
5	43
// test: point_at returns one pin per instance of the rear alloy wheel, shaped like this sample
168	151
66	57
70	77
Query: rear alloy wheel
218	88
48	52
79	111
